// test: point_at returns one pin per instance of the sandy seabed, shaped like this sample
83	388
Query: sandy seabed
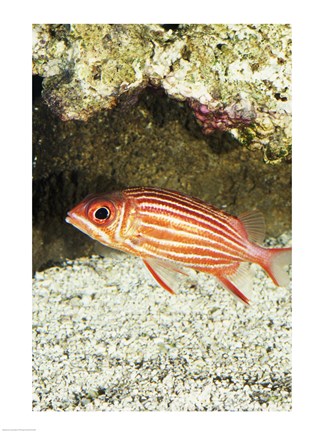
106	337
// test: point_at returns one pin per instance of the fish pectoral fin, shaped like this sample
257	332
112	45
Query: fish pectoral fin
239	283
164	272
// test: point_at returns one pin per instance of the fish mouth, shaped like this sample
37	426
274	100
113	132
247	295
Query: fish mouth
71	219
68	219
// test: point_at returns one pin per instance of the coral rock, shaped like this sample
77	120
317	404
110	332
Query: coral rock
235	77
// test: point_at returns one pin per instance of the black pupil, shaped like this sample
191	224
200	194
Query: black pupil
102	213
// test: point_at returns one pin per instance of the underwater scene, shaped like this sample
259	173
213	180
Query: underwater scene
162	159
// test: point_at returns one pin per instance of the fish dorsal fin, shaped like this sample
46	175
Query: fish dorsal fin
254	225
240	283
164	272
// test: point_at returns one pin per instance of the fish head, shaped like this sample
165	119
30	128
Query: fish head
98	216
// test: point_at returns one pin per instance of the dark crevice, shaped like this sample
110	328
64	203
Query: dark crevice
170	26
37	86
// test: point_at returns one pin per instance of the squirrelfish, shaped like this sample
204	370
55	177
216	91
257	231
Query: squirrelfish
171	231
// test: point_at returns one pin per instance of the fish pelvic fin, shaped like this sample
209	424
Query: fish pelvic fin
164	273
275	263
239	283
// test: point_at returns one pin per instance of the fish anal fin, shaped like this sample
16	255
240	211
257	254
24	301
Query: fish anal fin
164	273
239	283
253	222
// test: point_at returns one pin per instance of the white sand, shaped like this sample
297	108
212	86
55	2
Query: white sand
106	337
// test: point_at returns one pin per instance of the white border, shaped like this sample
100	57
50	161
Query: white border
307	21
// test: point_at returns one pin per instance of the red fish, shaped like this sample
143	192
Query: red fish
171	231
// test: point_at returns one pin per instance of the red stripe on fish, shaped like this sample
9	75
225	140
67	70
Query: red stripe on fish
187	205
167	229
150	207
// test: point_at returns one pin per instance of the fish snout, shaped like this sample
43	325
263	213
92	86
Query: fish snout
69	217
73	215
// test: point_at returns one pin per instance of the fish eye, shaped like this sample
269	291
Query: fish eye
102	213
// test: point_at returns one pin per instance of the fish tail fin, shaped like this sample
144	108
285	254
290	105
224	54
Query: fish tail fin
275	263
